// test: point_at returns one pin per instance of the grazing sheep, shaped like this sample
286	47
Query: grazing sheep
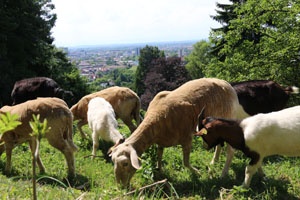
32	88
263	96
124	101
60	120
259	136
102	121
171	119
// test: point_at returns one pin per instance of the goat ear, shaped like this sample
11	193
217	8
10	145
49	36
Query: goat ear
203	131
135	162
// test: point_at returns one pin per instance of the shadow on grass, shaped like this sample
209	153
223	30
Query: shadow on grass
228	187
79	182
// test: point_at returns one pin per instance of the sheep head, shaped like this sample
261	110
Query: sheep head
126	162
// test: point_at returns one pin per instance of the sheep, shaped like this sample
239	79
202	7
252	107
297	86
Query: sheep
258	136
102	121
124	101
60	121
31	88
259	96
263	96
171	119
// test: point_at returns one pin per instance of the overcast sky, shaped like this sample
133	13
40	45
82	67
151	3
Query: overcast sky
98	22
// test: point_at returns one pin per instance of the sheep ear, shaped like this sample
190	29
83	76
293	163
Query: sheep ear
135	159
203	131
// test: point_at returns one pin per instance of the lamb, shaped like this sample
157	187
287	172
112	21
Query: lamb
124	101
102	121
171	119
258	136
60	120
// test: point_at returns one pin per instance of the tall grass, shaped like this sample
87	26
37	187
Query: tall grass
95	178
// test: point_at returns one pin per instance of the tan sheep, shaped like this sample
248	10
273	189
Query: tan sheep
171	119
60	120
124	101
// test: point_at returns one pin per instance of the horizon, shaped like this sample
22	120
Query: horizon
128	44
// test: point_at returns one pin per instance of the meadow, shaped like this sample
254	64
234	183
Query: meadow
95	178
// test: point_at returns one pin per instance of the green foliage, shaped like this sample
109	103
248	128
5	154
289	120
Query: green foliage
26	48
148	54
39	129
199	59
8	122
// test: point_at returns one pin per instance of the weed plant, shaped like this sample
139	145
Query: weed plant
95	178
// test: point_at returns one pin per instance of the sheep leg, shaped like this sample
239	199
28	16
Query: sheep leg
130	125
160	151
95	145
8	151
33	147
69	155
2	148
186	158
249	171
229	157
79	125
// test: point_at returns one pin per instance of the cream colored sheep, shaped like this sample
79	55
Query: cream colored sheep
124	101
102	121
171	119
60	120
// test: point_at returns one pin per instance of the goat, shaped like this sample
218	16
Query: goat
259	96
32	88
124	101
171	119
59	118
258	136
102	121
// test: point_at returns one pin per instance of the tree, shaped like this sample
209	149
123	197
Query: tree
199	59
166	74
147	55
26	48
225	14
276	55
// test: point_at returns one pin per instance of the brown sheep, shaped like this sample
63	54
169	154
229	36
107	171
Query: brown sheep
124	101
60	120
171	119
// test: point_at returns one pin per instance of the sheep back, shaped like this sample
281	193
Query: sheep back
55	110
173	114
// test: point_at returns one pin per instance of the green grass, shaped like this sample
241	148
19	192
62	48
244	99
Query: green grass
95	178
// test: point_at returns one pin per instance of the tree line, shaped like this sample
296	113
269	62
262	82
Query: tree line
256	40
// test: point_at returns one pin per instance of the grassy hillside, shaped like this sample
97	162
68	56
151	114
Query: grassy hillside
95	178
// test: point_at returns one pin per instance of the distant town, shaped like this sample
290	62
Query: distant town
91	60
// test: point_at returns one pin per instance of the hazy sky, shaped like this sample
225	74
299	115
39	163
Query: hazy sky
96	22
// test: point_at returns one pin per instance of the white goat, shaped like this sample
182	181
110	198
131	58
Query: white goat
171	119
276	133
60	120
102	121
